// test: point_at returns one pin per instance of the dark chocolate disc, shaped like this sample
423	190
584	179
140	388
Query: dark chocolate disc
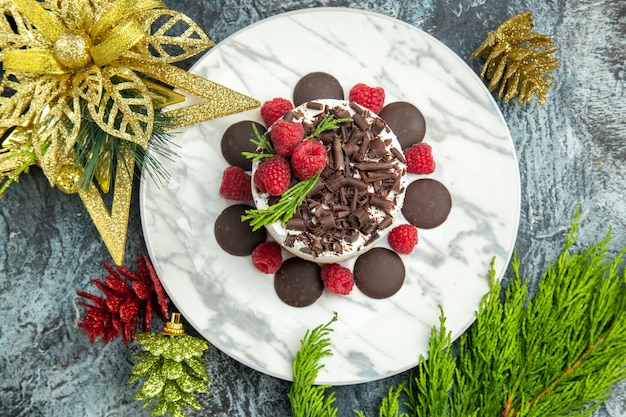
298	282
235	236
427	203
316	85
406	121
379	273
236	139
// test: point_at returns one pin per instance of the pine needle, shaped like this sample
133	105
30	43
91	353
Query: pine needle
307	399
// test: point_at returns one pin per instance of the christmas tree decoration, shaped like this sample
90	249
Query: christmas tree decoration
77	102
518	60
126	295
173	367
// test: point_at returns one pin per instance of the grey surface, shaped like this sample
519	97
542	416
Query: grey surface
572	151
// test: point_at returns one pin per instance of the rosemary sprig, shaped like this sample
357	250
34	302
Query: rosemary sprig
261	142
306	398
285	208
329	123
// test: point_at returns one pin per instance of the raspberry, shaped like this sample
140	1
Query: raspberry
267	257
236	184
285	136
419	159
372	98
308	158
337	279
403	238
273	175
275	109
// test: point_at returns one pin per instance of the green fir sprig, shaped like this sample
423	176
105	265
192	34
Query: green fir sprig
308	399
328	123
390	405
285	208
264	145
94	145
435	376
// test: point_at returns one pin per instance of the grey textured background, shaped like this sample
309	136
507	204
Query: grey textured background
572	151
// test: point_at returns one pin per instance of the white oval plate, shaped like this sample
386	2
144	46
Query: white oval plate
233	305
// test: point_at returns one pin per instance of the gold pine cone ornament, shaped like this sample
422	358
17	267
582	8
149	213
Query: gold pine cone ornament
518	61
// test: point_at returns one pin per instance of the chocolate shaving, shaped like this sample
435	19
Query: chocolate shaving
350	149
319	185
398	154
381	203
354	106
365	145
369	228
340	113
362	216
338	154
377	176
355	183
378	126
352	237
335	182
296	224
315	105
385	223
327	222
360	121
374	166
372	238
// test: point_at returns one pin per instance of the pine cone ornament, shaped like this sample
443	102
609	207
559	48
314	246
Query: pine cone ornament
518	60
126	294
173	367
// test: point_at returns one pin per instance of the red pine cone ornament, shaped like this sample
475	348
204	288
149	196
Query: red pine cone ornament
126	294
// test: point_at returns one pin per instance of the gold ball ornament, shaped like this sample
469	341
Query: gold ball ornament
68	178
72	50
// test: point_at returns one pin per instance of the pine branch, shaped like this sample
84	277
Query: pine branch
264	147
95	146
390	405
329	123
428	391
307	399
558	353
